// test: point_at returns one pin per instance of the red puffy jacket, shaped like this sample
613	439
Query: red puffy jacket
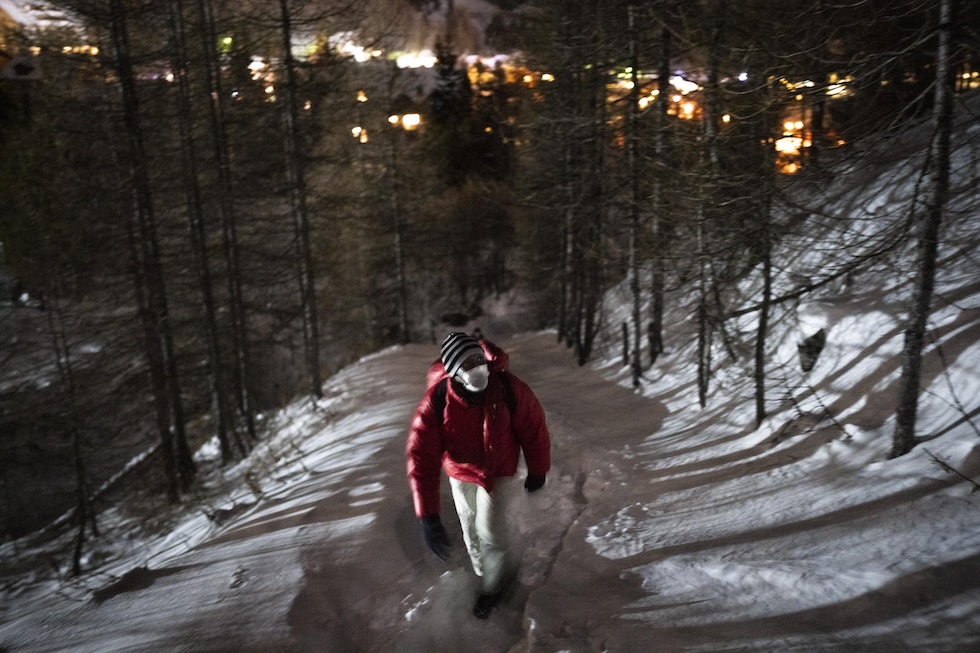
474	443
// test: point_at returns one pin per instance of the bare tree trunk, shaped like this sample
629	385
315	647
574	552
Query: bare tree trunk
62	354
297	184
763	328
396	216
704	348
148	275
567	247
567	96
658	231
634	182
196	227
591	248
765	203
708	197
227	218
930	221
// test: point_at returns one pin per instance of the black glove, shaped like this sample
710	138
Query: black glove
435	536
534	482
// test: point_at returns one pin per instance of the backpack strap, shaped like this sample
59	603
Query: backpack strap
509	397
439	397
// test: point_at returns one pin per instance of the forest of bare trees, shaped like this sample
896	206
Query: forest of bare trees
213	205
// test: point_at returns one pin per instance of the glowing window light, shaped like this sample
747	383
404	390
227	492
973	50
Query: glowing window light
644	102
547	77
726	118
356	131
361	96
676	98
308	105
789	145
798	124
393	119
424	59
836	90
788	125
411	121
270	89
743	77
687	109
683	85
527	79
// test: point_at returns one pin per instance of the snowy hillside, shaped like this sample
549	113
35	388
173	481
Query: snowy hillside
663	527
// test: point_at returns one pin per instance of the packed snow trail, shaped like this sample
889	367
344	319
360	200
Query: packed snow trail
331	558
428	603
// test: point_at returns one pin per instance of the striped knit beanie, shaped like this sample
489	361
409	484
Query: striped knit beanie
456	348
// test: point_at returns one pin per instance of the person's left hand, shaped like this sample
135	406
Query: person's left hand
435	536
534	482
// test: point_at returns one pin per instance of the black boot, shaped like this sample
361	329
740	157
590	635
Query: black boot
484	605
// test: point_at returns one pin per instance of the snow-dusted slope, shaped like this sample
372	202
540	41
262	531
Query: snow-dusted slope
663	526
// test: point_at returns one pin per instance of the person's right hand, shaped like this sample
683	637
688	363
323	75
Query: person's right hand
435	535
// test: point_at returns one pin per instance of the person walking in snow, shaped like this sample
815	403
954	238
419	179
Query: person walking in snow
474	422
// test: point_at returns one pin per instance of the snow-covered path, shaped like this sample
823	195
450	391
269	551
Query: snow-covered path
662	527
334	561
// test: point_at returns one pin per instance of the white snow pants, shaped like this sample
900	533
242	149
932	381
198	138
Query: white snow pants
491	527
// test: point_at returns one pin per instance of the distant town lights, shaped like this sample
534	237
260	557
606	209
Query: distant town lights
423	59
789	145
409	122
683	85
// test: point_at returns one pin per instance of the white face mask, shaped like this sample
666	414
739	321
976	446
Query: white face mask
475	379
